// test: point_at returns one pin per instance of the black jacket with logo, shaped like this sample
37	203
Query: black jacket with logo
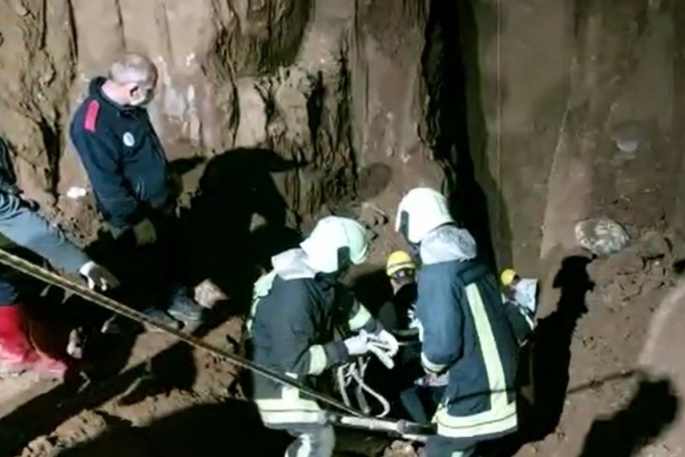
122	155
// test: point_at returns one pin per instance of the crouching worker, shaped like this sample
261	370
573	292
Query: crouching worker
291	328
520	302
21	227
464	329
520	298
418	392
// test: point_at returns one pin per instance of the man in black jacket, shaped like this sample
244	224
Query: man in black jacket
127	168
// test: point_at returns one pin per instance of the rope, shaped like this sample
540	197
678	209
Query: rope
355	371
54	279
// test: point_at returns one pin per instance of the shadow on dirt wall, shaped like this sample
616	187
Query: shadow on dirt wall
651	410
550	355
457	125
216	230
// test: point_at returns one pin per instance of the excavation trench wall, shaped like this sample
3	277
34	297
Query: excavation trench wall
334	88
365	99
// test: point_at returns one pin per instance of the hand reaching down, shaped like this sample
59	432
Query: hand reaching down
98	276
145	232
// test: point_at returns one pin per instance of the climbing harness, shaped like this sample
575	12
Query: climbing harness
351	418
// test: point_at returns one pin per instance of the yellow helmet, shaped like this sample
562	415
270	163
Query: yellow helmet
398	261
507	276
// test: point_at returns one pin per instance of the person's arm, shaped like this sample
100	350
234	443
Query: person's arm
30	230
100	159
358	317
294	337
441	319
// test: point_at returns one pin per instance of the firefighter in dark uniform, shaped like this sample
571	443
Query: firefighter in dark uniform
464	329
295	311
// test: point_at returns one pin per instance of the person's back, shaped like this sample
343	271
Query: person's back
465	331
291	329
296	314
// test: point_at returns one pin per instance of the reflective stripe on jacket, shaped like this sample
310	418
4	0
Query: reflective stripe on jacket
291	330
466	333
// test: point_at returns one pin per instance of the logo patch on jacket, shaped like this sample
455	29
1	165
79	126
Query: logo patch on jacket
128	139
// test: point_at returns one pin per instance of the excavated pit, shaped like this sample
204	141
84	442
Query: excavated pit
276	112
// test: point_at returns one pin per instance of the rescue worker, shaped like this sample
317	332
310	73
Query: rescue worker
22	227
464	329
399	315
295	311
520	301
127	168
419	393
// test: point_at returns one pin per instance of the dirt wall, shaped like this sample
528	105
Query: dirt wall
336	88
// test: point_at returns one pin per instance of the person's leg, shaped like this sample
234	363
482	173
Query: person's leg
18	353
413	405
441	446
141	274
170	257
312	440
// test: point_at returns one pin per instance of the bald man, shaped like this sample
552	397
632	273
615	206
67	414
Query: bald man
127	169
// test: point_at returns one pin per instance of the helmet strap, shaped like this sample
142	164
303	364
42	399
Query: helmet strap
344	258
404	225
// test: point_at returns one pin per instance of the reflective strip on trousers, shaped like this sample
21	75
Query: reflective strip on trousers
290	409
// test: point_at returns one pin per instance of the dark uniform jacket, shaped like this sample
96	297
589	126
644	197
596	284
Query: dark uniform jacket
291	330
466	332
123	157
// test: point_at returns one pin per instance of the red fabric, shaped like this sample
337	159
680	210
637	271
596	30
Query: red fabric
16	348
14	343
91	116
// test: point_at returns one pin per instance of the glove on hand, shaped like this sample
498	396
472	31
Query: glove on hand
382	355
386	341
145	233
358	344
98	276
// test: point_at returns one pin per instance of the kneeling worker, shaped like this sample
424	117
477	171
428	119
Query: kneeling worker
418	393
464	329
291	329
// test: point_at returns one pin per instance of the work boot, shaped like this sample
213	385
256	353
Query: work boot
18	353
184	308
163	318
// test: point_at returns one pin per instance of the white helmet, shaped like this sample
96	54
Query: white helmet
421	211
332	240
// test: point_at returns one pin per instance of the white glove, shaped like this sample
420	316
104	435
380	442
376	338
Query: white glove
144	232
358	344
98	276
382	355
386	341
